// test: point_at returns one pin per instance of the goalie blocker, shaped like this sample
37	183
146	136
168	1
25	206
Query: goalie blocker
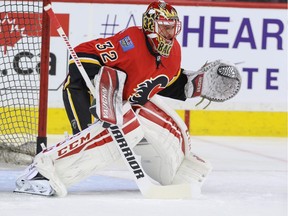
166	157
109	84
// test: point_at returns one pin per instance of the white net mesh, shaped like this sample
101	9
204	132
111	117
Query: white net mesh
20	46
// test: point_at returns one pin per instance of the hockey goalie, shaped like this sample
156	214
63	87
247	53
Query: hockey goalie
129	71
166	158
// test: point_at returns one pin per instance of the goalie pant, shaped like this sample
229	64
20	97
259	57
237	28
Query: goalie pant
166	157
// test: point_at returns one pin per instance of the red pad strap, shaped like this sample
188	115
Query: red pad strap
155	114
197	84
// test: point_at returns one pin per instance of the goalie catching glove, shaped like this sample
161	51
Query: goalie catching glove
216	81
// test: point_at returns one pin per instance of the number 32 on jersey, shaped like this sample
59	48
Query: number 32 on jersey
106	55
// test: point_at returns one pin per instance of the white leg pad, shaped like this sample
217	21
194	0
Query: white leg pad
92	149
167	157
167	141
45	166
193	170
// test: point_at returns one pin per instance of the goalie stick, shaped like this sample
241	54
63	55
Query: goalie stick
148	187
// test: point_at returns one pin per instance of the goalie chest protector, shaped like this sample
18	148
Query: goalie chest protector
129	52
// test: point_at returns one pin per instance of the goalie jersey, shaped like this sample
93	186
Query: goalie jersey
129	51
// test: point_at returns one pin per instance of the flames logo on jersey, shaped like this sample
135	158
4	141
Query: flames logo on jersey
147	89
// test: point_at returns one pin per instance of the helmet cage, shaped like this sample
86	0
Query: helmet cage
161	25
168	29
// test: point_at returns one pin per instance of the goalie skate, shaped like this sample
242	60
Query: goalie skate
30	182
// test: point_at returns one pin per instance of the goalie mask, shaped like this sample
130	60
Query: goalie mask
161	24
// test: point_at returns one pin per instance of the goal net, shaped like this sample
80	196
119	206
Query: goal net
20	53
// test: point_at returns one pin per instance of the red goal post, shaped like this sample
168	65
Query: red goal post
44	77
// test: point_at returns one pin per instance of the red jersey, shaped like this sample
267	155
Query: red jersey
127	51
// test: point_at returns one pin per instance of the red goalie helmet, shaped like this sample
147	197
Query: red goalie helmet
161	24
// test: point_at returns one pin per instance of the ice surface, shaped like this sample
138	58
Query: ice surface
249	179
